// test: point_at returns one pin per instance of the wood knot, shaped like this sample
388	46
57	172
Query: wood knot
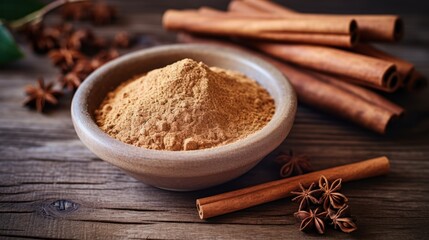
63	205
59	208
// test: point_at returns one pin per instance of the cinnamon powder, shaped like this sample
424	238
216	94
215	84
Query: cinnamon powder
185	106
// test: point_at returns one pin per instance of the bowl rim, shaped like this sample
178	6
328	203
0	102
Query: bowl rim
86	124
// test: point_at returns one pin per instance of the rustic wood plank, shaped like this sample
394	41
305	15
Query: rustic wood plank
42	164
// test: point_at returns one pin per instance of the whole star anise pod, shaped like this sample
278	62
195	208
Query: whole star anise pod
41	94
58	34
45	40
103	57
108	55
66	29
293	164
83	68
102	13
311	220
74	78
122	40
76	11
99	43
331	197
342	219
65	59
70	81
32	30
307	196
80	40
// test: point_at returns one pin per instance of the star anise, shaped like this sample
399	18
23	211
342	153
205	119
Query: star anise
99	43
71	81
83	68
65	28
102	13
76	11
44	41
108	55
293	164
65	59
311	220
307	196
342	219
41	94
122	40
331	197
32	30
80	40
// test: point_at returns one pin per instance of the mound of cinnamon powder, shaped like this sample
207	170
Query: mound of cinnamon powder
185	106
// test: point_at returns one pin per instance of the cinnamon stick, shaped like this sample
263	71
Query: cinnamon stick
192	21
263	6
360	69
340	102
384	28
338	40
248	197
405	69
325	96
364	93
417	82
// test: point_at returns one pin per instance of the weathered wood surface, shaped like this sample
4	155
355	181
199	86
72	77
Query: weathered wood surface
51	186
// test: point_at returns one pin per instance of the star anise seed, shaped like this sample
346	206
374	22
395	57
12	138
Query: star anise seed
293	164
331	197
342	219
41	94
311	220
306	196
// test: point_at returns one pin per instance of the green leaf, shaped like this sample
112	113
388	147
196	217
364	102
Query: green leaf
16	9
9	51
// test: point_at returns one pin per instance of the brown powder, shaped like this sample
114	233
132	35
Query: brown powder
185	106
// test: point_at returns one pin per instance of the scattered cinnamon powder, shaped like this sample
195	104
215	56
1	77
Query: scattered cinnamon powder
185	106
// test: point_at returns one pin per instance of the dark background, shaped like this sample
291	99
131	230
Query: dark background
420	7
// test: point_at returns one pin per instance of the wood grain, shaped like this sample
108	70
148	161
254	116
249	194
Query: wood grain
52	187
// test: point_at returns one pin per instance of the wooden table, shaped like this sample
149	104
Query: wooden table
53	187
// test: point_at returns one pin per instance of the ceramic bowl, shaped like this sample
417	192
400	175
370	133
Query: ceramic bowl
183	170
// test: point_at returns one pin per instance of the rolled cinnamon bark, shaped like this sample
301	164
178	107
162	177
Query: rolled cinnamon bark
208	11
192	21
405	69
364	93
360	69
337	40
319	94
261	6
335	100
417	82
248	197
384	28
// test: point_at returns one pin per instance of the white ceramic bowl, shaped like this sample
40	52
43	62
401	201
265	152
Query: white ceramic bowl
183	170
